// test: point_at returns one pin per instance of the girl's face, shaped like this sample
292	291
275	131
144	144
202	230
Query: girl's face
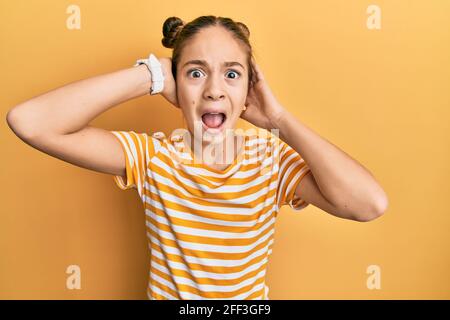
212	77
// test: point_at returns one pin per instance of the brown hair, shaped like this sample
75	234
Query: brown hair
177	33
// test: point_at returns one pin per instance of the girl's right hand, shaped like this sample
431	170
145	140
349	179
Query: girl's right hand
170	87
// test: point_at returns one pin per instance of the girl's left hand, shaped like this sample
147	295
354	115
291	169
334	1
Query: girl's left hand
262	108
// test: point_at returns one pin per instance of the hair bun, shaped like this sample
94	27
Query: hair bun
171	28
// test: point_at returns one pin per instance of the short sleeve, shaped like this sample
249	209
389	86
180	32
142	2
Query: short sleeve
138	149
292	169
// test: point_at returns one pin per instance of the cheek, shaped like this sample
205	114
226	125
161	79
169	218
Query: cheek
240	98
240	91
188	95
188	106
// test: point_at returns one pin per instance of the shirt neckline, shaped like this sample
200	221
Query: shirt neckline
236	160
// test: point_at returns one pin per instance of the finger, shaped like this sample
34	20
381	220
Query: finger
254	74
258	73
251	82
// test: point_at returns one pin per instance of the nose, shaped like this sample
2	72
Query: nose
213	89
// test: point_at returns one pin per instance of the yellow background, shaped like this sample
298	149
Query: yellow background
382	96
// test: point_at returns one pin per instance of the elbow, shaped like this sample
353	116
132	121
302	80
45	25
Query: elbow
12	120
20	124
378	208
373	210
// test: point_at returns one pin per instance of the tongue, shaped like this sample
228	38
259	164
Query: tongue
213	120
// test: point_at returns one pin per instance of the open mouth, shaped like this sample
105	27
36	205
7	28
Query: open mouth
214	120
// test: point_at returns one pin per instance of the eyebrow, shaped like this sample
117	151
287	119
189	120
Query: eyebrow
204	63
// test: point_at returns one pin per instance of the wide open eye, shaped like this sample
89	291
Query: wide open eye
237	74
194	71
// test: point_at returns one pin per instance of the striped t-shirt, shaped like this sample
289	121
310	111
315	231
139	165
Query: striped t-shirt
210	232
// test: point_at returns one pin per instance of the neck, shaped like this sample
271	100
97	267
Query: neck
221	152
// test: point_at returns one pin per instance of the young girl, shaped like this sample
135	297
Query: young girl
210	223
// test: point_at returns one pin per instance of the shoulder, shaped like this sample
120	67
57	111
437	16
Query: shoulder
141	142
264	138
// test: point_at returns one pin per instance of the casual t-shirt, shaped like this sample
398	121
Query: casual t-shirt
210	232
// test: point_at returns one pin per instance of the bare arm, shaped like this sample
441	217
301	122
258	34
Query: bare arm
337	183
56	122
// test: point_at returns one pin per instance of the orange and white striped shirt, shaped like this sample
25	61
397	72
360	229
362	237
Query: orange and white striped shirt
210	232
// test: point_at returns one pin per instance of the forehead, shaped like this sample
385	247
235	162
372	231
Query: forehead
215	45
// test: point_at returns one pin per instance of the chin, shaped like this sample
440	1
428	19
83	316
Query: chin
211	135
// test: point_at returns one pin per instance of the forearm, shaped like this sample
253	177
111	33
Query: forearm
341	179
71	107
